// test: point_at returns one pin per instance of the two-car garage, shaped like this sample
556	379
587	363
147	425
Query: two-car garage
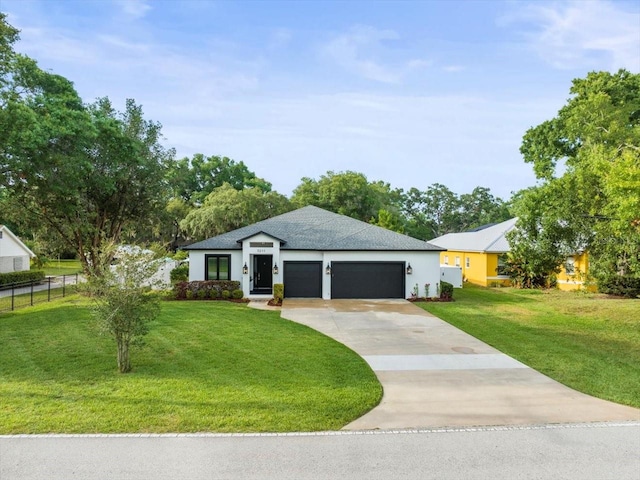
353	279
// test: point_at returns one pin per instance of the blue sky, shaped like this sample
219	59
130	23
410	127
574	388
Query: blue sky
411	93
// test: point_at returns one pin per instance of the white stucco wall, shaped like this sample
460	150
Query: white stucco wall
196	263
13	256
14	264
425	265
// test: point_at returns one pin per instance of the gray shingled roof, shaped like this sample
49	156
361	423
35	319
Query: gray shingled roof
491	239
312	228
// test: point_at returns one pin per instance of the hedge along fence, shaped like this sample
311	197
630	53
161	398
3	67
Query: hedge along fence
208	290
21	277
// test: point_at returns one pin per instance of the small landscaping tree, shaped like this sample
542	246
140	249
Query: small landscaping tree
123	302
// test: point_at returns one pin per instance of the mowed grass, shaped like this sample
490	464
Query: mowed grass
62	267
586	341
206	366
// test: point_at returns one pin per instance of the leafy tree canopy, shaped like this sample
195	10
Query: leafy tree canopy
193	179
348	193
226	209
437	210
595	197
79	173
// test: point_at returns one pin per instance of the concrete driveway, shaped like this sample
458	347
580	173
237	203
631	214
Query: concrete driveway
435	375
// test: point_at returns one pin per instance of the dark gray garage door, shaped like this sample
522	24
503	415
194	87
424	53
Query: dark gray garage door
367	280
303	279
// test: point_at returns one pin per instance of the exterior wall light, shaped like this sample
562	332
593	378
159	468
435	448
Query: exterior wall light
409	269
275	269
328	269
245	269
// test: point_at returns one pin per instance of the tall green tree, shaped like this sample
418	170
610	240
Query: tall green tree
389	220
226	209
480	207
588	157
437	210
347	193
432	212
192	179
80	173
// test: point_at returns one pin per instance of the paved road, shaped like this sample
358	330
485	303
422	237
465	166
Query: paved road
435	375
588	452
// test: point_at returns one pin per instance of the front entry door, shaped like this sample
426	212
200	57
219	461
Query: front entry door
262	274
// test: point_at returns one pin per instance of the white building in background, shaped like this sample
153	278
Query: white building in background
15	256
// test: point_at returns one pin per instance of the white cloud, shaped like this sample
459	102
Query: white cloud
408	141
123	44
133	9
359	50
279	38
580	34
120	67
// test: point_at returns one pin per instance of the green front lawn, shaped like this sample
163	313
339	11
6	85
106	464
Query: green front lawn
206	366
586	341
62	267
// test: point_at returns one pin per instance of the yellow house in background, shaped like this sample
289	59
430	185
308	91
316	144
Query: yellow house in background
482	254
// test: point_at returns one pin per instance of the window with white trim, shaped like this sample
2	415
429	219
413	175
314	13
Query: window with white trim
502	264
457	261
467	262
446	259
570	266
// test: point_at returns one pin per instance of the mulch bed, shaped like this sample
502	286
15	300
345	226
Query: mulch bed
232	300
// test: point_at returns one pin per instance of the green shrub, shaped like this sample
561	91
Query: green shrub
25	276
212	288
180	274
202	294
620	285
181	255
278	292
237	294
226	294
446	291
39	261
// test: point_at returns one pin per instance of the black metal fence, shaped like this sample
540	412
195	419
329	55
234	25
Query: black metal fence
27	294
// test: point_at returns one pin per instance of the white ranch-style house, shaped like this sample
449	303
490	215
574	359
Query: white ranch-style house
318	254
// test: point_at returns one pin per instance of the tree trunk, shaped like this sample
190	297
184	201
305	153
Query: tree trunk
124	364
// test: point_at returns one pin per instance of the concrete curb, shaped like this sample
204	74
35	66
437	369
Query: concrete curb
496	428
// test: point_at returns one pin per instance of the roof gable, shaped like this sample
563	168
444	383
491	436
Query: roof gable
491	239
312	228
282	242
5	232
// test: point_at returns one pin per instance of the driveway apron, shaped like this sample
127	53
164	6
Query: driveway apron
435	375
